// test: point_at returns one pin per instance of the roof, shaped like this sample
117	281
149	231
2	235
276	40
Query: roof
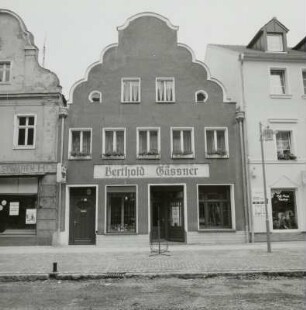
258	54
300	44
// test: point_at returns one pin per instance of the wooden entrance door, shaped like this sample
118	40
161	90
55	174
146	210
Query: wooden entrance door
175	221
82	215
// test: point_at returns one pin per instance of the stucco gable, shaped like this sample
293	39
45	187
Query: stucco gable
17	46
147	39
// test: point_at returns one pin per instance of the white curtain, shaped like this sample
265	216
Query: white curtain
176	141
142	141
153	141
120	142
108	141
187	141
86	142
76	141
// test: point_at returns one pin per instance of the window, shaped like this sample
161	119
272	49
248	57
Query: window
113	143
5	68
80	143
182	142
121	209
275	42
165	90
277	81
304	80
214	207
284	145
201	96
148	143
25	131
216	142
95	96
130	90
284	209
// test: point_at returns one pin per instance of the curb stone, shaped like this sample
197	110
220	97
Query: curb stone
123	275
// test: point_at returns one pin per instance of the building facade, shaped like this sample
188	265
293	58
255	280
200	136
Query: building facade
30	99
152	146
268	80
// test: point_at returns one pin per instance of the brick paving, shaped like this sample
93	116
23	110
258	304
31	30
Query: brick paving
188	259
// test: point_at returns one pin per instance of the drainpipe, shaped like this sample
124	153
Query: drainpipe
63	112
244	146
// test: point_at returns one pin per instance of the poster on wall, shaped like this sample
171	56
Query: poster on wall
14	208
258	202
30	216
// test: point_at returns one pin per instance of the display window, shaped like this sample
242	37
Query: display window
284	209
121	209
17	213
214	207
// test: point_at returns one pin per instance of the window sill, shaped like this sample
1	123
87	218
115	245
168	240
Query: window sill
292	230
148	157
165	102
79	158
14	232
205	230
5	83
218	156
191	156
24	148
130	102
280	96
113	157
120	233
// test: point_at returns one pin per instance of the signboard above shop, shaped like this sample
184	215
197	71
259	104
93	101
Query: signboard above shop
151	171
27	169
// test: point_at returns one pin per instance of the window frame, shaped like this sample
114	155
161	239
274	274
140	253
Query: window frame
201	91
106	209
285	95
304	83
181	129
78	157
130	79
215	129
156	89
275	34
292	144
114	129
16	131
232	204
148	156
4	62
95	92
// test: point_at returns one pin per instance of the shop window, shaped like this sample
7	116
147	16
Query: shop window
17	213
25	131
80	143
216	143
121	209
284	209
275	42
284	146
214	207
165	91
95	96
113	143
5	71
182	143
130	90
304	80
148	145
201	96
278	81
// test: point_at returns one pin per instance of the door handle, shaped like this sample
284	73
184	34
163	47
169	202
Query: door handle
75	222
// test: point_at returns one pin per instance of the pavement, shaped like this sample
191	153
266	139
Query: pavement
81	262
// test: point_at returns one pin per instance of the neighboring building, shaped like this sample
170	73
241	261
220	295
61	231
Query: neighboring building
30	99
268	80
152	142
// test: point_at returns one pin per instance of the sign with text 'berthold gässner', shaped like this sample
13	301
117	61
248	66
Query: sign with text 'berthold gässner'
151	171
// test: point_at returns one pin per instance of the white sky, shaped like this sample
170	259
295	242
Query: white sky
78	30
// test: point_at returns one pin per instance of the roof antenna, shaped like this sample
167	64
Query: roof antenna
44	52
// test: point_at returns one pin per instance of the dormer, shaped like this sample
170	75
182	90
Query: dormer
271	38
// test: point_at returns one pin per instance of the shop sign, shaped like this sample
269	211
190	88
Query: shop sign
151	171
27	169
14	208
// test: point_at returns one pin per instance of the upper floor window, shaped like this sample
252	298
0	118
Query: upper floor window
278	81
95	96
165	91
275	42
201	96
113	143
25	131
148	143
216	144
182	143
304	80
80	143
130	90
5	69
284	145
